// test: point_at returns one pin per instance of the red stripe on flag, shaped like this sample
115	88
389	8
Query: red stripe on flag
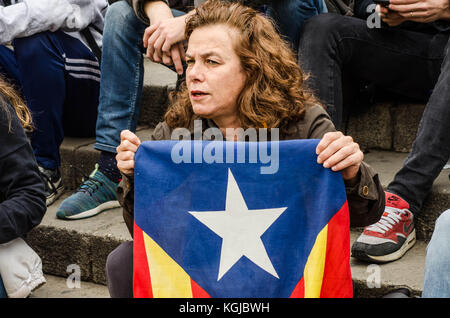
337	278
197	291
299	290
142	285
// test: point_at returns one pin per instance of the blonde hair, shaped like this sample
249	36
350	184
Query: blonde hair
8	95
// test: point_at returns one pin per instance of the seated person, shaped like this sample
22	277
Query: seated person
22	195
56	71
436	282
127	35
410	56
223	49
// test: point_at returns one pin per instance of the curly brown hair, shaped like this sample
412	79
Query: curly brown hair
8	95
274	94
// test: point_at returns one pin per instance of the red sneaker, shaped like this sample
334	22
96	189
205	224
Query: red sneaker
391	237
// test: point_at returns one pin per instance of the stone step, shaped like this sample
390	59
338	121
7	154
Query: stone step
86	243
57	287
386	125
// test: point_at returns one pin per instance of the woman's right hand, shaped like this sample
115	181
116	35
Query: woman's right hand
129	144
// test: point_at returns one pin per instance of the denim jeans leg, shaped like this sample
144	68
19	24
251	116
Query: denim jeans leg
2	289
431	148
122	74
290	15
436	282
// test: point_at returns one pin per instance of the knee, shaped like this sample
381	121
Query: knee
443	223
441	234
117	259
119	15
318	30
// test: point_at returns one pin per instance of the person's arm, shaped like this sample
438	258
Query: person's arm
422	11
163	38
30	17
21	187
125	163
365	194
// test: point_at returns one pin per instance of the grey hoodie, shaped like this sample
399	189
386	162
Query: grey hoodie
23	18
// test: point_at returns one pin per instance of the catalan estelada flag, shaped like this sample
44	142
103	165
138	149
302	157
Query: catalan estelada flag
222	228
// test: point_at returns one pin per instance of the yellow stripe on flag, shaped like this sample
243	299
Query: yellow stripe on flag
313	274
168	279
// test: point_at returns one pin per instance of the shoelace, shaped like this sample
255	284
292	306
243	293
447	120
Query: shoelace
392	217
47	181
88	184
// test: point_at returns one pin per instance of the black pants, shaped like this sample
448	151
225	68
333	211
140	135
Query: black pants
409	63
119	271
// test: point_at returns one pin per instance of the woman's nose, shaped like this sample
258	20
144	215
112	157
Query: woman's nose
195	72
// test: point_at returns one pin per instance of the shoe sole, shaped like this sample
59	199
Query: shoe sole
89	213
409	243
52	198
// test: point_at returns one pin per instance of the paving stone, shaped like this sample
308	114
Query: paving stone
85	242
406	118
376	280
373	128
57	287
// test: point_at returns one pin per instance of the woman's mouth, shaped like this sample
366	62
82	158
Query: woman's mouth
198	94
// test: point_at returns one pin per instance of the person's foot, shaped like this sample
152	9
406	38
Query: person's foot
95	195
53	184
391	237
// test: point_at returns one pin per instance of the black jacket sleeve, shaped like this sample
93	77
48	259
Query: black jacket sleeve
22	196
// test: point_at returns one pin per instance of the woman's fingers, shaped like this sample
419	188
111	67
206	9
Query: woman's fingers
126	151
340	153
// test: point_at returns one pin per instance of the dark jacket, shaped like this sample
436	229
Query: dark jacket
365	199
22	197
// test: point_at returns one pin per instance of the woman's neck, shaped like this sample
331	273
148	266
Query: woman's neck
224	123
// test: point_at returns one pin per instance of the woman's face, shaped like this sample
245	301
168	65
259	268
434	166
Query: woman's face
214	74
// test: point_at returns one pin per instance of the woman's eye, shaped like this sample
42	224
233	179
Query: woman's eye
212	62
189	62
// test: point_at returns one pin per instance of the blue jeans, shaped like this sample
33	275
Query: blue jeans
2	289
437	263
59	78
122	63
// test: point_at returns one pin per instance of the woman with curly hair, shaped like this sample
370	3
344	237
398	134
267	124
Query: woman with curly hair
22	198
241	74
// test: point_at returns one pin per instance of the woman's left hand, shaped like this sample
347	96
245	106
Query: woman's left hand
340	153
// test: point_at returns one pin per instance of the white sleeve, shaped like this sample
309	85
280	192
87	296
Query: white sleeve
30	16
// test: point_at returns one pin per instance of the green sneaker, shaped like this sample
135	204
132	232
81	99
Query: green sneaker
95	195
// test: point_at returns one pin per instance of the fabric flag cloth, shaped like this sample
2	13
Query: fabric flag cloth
225	229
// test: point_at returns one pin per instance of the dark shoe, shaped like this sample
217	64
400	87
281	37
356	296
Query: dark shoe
399	293
53	184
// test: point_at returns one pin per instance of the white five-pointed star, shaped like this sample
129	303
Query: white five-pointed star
240	229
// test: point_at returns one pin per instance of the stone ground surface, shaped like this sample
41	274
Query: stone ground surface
57	287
